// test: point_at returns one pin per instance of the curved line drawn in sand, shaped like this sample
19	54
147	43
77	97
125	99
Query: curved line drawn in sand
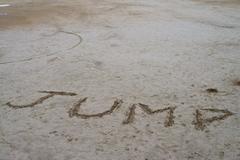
74	111
201	123
42	99
80	40
169	119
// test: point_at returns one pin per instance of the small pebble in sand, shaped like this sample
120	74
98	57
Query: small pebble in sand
236	82
212	90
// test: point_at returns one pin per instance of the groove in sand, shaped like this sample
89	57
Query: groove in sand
74	111
41	99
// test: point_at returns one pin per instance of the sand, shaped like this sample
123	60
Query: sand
119	80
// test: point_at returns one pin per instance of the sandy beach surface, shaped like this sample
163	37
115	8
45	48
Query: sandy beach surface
119	80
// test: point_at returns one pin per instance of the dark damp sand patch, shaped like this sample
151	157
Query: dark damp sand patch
63	12
236	82
28	14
